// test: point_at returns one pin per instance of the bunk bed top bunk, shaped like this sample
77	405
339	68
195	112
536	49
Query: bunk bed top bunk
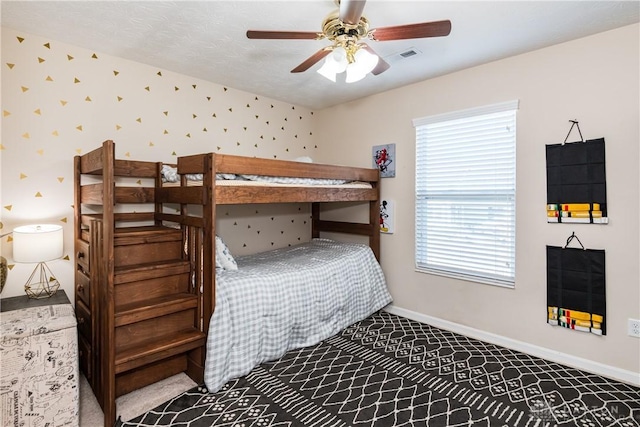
296	181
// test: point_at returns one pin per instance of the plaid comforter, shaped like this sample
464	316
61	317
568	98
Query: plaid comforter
288	298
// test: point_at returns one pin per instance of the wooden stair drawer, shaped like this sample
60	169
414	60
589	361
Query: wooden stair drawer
84	320
133	357
82	254
154	308
141	245
85	355
146	253
155	328
83	287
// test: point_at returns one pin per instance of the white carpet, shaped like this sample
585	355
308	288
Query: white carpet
133	404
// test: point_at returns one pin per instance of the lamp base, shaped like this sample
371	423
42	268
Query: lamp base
41	283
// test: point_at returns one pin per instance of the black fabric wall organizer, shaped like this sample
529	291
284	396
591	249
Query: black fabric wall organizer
576	181
576	296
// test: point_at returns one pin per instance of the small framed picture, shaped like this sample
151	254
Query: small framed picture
384	159
387	219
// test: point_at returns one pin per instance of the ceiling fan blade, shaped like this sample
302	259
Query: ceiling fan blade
312	60
382	65
351	11
413	31
271	35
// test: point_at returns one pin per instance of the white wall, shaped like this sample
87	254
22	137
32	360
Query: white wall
593	80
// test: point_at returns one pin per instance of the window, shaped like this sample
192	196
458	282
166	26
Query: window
465	194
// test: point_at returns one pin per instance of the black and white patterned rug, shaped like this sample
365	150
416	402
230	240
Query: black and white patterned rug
391	371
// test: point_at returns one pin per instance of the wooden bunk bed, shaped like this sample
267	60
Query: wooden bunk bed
145	278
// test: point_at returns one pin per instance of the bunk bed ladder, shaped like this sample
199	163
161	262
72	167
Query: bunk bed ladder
138	304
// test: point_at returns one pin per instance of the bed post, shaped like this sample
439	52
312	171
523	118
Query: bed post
209	248
374	222
315	220
105	290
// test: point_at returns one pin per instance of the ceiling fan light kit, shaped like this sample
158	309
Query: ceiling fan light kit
345	28
336	62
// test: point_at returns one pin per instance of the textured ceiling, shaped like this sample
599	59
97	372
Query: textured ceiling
206	39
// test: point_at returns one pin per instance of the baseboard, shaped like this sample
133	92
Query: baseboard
618	374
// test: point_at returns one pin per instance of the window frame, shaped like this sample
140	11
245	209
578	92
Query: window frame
421	265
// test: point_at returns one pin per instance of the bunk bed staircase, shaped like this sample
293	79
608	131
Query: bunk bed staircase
138	313
145	264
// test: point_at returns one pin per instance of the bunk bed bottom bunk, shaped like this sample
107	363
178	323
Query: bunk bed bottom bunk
288	298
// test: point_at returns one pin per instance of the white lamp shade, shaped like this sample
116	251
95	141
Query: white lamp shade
334	63
37	243
364	63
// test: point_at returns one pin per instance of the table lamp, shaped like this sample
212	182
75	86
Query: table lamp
37	244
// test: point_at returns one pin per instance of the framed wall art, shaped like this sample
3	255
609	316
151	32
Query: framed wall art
384	159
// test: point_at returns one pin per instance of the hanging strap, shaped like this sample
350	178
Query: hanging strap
573	123
570	239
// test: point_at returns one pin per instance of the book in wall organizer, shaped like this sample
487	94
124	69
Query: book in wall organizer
576	182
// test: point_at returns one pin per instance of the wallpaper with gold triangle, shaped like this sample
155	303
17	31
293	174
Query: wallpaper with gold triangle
60	100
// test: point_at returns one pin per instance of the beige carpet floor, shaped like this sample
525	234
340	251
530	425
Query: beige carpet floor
133	404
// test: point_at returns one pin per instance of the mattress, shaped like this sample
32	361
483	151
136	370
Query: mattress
172	179
288	298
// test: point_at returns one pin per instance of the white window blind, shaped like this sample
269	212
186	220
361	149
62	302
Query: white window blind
465	194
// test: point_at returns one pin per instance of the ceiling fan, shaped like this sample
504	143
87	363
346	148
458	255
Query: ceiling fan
345	28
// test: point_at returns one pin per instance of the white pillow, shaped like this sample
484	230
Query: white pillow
224	259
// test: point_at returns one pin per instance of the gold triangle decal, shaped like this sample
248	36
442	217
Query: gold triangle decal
49	79
26	135
24	88
10	65
63	219
5	113
40	151
38	194
8	207
54	133
88	99
139	120
79	128
115	72
47	45
69	57
94	56
37	111
63	102
40	60
20	39
22	176
60	178
75	80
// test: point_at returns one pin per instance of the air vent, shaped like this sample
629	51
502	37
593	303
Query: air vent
405	54
408	53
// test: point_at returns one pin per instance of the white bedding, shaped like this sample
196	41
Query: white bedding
288	298
170	174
